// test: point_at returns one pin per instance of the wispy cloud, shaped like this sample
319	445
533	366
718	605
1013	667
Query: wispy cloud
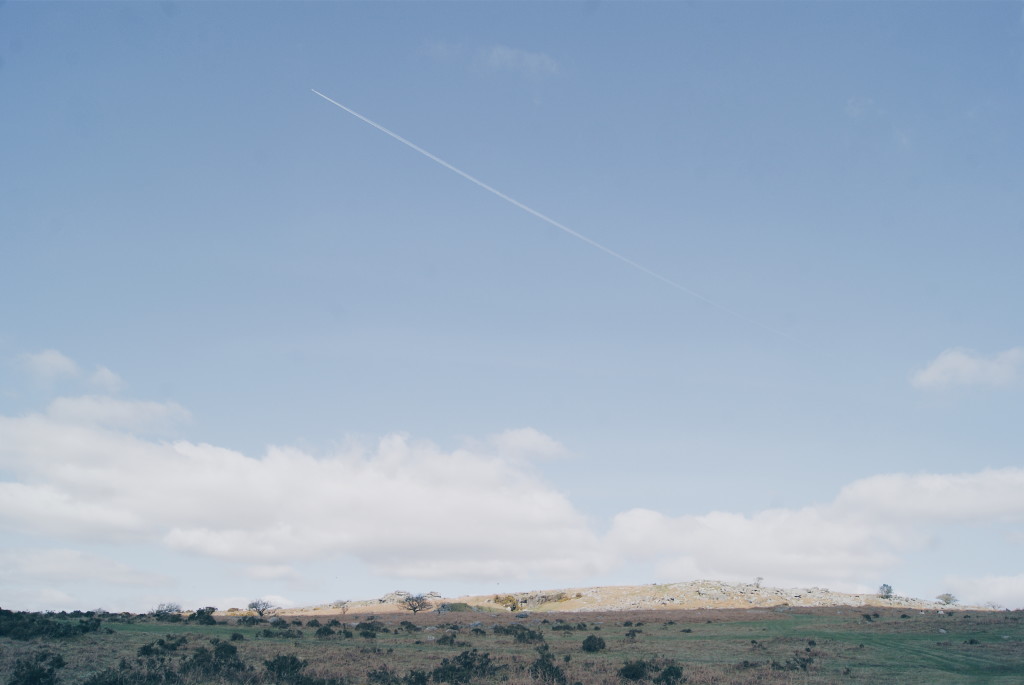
49	365
962	367
106	379
504	58
443	51
494	58
860	107
145	417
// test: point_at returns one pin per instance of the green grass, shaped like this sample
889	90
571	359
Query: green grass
728	646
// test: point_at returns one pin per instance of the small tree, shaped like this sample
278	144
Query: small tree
415	603
947	598
885	591
341	605
167	611
260	606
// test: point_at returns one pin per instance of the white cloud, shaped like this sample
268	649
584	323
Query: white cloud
405	508
112	413
272	572
106	379
408	508
49	365
1003	591
989	495
526	442
503	58
961	367
845	543
59	565
279	601
789	547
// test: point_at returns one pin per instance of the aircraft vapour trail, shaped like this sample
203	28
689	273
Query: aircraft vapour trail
560	226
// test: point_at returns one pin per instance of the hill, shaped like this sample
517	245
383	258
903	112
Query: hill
697	594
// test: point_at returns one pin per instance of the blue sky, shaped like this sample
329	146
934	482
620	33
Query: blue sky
252	346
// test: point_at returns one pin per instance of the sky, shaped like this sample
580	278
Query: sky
252	346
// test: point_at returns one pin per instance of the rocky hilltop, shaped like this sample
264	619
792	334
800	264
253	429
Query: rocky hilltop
697	594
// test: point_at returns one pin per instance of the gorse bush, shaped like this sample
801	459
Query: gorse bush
465	667
520	633
287	668
593	643
162	646
203	617
635	670
23	625
545	670
39	669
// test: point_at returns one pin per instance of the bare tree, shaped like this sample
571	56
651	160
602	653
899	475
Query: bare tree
341	605
168	611
415	603
947	598
260	606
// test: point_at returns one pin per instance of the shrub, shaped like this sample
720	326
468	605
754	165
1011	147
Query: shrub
520	633
415	677
464	667
670	675
635	670
221	661
546	670
507	601
203	617
324	631
23	625
40	669
383	676
593	643
285	667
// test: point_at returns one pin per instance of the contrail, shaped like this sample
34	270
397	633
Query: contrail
560	226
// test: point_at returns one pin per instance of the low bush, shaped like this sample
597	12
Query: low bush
545	670
39	669
24	625
464	668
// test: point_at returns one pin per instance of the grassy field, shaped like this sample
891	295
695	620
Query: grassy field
834	645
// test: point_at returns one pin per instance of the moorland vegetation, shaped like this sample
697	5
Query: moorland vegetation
466	644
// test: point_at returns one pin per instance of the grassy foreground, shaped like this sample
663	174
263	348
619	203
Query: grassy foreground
833	645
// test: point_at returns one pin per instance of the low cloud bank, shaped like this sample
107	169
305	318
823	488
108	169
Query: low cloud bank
92	470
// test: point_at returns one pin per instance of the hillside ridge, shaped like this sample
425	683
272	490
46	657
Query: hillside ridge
696	594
